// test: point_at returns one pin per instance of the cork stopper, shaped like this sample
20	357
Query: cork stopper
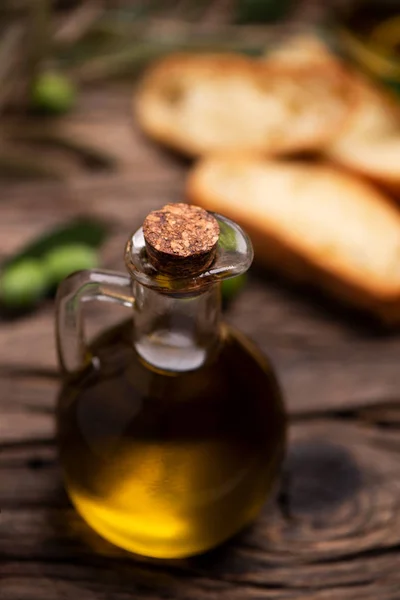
181	239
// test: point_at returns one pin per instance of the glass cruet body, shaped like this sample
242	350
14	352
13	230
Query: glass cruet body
171	426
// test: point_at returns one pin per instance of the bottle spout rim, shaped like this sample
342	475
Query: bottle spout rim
234	255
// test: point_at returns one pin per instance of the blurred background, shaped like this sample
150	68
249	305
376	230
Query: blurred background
68	73
96	130
80	165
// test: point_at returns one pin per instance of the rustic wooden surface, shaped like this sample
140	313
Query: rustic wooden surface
334	532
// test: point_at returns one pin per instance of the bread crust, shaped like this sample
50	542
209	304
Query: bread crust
369	144
372	131
274	249
161	95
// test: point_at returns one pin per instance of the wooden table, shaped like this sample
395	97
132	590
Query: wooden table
334	532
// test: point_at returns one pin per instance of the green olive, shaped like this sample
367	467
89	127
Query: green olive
64	260
23	284
53	93
231	287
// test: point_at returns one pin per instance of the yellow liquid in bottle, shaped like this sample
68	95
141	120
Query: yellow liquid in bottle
170	465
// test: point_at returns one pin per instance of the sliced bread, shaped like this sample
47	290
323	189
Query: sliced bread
311	222
200	104
370	142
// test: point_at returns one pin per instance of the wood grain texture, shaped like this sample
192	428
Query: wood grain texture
332	533
335	528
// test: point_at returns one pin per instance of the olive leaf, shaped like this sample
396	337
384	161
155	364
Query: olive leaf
88	231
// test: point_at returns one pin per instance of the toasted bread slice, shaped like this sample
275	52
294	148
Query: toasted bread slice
370	142
201	104
311	222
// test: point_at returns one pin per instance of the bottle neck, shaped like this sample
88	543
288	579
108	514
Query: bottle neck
176	333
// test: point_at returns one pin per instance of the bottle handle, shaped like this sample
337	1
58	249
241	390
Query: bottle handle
73	292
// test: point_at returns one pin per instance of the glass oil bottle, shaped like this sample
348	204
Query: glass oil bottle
171	426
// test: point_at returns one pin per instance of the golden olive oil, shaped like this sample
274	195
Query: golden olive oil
170	464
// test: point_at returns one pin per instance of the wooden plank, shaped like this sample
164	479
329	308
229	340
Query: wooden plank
29	211
103	121
26	410
345	378
124	582
336	526
312	386
29	343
